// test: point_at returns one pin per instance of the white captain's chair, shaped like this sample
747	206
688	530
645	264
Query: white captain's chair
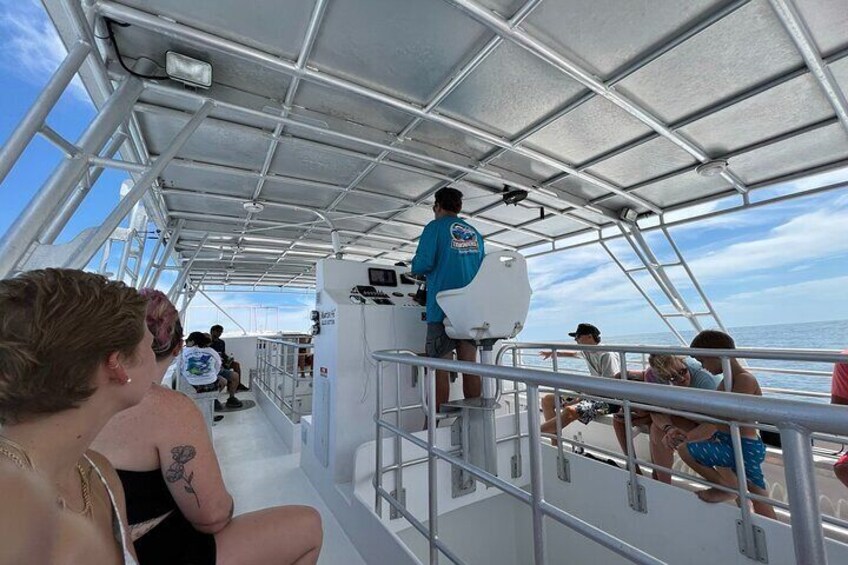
494	305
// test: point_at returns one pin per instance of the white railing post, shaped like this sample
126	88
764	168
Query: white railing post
432	470
536	479
378	432
635	491
803	500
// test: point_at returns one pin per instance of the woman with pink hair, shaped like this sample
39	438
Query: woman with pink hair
178	507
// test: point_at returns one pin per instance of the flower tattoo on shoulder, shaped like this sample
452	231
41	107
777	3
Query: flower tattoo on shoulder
181	455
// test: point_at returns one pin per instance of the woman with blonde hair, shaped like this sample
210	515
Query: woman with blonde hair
667	430
179	508
74	351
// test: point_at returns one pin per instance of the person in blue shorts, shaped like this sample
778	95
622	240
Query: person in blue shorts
707	448
666	429
449	253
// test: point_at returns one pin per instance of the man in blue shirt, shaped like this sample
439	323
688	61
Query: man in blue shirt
449	252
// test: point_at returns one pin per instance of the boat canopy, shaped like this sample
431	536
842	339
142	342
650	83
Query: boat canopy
330	124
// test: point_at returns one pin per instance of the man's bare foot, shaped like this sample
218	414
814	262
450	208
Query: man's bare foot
713	495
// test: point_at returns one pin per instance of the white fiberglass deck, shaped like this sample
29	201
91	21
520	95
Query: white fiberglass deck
260	471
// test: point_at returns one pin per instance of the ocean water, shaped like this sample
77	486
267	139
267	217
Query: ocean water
811	335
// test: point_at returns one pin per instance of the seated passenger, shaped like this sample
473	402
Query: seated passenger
707	448
179	508
839	395
230	368
201	368
74	351
665	428
35	530
601	364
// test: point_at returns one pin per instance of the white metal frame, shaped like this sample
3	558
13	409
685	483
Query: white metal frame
796	422
278	358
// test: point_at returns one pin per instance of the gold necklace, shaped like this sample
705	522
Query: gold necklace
21	458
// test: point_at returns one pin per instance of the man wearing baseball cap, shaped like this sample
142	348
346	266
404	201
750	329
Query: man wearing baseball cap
601	364
450	252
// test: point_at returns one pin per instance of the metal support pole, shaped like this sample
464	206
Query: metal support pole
21	235
216	305
536	482
378	466
634	489
803	499
120	275
160	241
58	222
37	114
432	471
104	259
84	254
749	542
54	137
184	272
169	249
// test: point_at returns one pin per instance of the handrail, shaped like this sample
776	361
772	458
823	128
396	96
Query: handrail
795	421
730	406
813	355
273	357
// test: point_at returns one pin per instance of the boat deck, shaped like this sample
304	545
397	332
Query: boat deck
260	471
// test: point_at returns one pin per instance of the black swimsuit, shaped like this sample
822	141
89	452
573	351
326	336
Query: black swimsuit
174	541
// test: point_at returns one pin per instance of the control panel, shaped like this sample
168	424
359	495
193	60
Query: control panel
369	295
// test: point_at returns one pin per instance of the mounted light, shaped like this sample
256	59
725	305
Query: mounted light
628	215
712	168
513	195
187	70
253	207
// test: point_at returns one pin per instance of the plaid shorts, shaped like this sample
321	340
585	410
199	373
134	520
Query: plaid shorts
588	410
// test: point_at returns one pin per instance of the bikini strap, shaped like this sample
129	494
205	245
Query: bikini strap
118	529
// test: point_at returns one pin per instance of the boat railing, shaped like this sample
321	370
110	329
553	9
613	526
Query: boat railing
284	372
528	355
797	422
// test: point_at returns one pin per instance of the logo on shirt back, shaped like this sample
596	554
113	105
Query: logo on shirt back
463	238
199	365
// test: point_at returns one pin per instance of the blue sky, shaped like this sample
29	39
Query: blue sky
777	264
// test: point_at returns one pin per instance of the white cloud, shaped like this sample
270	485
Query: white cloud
31	47
815	235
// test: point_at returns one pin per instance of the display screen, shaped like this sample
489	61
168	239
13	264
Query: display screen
382	277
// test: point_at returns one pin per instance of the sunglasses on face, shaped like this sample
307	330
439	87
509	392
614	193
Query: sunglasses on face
677	376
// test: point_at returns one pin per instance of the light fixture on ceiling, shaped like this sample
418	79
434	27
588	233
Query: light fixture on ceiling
188	70
253	207
712	168
513	195
628	215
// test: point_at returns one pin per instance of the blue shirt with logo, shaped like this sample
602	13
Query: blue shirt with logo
449	252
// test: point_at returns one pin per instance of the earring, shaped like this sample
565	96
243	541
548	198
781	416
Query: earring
129	380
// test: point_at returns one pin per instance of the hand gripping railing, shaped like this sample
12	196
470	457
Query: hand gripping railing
796	421
282	358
